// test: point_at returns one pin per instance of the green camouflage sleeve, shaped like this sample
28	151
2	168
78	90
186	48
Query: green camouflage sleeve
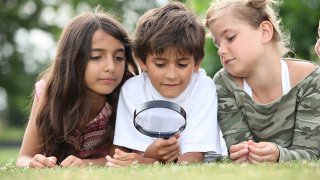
306	138
230	116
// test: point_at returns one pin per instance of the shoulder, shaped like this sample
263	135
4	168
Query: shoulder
203	82
224	80
134	84
39	88
299	70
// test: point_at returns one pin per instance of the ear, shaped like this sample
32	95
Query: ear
266	31
197	66
142	65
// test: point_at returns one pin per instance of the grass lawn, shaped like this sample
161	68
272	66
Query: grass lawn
222	170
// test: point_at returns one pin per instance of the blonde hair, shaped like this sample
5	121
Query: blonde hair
254	12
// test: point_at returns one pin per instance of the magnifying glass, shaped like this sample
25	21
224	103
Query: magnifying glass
160	119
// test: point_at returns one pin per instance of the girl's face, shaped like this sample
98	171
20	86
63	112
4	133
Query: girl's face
238	44
170	72
106	65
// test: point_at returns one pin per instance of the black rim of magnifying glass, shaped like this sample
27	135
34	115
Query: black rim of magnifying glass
160	104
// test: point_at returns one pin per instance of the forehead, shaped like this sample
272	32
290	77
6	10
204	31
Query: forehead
172	53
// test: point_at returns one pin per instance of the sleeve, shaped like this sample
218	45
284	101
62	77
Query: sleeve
230	116
306	137
39	88
202	133
125	133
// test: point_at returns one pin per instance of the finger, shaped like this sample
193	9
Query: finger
253	161
242	159
172	141
110	164
67	161
263	148
238	154
53	159
45	161
35	164
238	147
126	157
172	156
118	162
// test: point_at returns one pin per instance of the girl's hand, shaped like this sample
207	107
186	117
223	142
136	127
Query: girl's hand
164	150
263	152
72	161
239	152
121	158
40	161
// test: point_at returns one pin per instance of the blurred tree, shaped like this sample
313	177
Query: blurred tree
299	18
30	28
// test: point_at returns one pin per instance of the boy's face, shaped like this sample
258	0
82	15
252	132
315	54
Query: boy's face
170	72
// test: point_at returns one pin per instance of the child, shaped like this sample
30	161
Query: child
317	46
73	114
268	106
169	44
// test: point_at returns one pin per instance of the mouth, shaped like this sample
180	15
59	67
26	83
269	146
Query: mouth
170	85
226	61
107	80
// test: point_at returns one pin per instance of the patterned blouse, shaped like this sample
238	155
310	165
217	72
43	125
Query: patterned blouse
89	139
92	135
292	122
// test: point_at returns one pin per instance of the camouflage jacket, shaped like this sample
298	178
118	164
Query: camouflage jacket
292	122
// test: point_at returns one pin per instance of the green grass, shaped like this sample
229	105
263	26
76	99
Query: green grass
11	134
8	154
222	170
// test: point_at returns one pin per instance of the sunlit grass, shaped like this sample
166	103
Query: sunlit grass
224	170
221	170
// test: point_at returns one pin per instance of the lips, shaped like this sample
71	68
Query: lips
226	61
170	85
108	80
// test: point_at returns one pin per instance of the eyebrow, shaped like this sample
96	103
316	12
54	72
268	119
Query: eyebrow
101	49
165	59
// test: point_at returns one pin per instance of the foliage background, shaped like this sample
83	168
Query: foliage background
29	31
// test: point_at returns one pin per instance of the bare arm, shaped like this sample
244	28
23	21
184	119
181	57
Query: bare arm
31	151
191	157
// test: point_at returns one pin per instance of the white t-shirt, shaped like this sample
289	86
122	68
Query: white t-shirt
199	99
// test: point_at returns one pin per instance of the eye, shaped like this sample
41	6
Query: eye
119	58
230	39
159	65
182	65
95	58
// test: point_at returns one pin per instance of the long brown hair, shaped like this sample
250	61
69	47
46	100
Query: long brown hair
64	105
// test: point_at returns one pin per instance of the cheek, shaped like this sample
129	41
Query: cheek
120	70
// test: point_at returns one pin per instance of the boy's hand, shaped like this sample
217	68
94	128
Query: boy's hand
164	150
122	158
72	161
239	152
40	161
263	152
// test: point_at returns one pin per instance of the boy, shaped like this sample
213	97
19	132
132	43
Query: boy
169	44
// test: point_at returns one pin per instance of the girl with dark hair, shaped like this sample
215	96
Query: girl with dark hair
73	113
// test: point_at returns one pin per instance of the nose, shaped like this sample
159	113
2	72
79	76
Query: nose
109	64
171	72
222	49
